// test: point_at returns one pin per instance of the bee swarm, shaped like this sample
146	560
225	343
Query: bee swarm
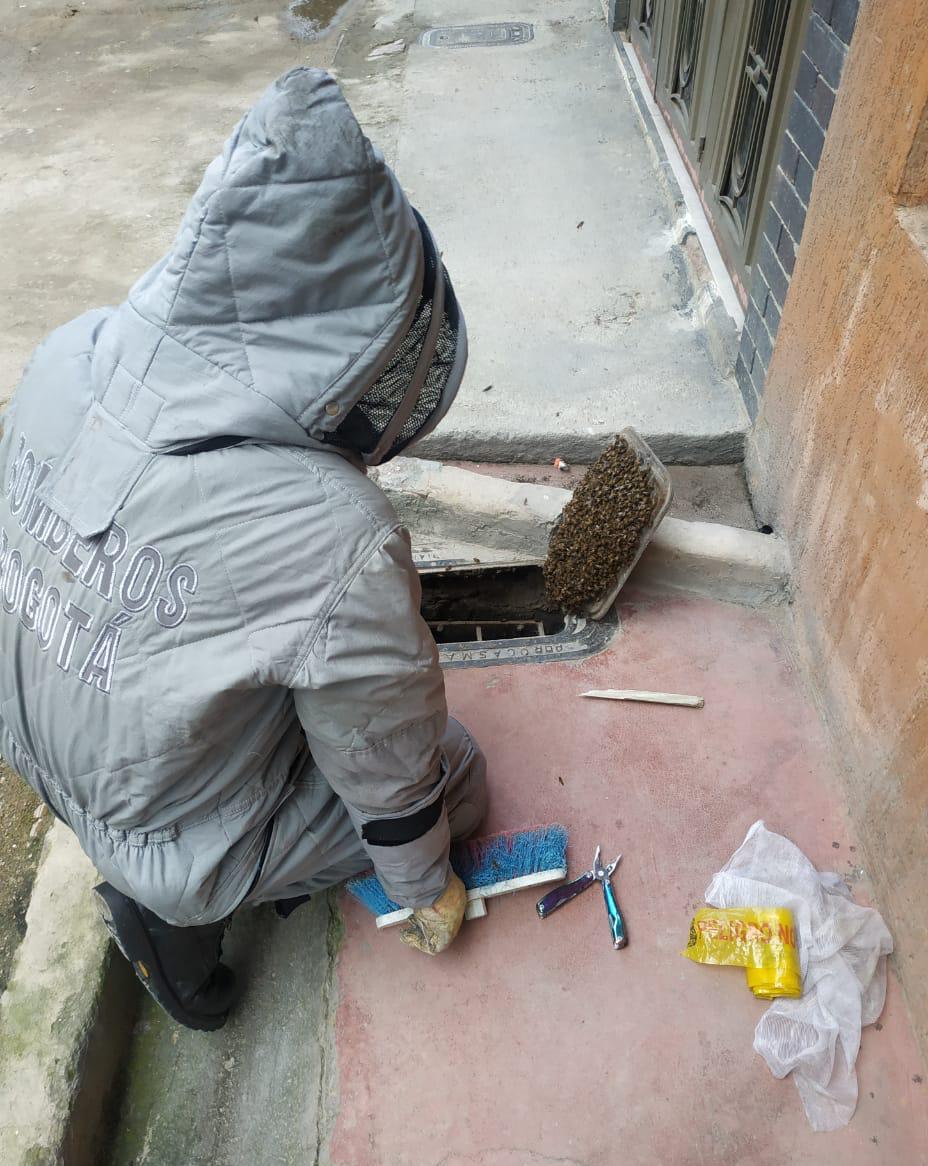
600	528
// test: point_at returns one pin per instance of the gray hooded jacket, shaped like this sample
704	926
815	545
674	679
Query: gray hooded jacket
182	615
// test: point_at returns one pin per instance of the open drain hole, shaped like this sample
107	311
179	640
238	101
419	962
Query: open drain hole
483	615
487	593
479	633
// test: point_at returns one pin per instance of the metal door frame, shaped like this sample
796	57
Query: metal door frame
690	131
648	47
703	144
734	246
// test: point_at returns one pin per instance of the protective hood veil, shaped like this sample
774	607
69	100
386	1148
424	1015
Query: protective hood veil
415	390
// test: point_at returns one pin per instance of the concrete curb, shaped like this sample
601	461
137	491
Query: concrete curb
457	505
581	444
720	562
439	502
58	1052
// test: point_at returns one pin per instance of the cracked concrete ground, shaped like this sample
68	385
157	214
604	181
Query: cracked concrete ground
263	1089
108	115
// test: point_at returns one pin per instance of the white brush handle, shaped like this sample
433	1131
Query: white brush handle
476	898
692	702
393	917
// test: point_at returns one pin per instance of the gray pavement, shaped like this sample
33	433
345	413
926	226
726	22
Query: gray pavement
529	160
261	1090
108	116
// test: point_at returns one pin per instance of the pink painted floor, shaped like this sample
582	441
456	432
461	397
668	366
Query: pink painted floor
530	1043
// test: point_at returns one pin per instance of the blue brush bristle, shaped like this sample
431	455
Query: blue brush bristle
366	889
480	862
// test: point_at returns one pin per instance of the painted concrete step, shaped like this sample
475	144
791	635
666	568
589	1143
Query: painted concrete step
563	246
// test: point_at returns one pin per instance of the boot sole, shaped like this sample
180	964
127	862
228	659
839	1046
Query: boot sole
124	923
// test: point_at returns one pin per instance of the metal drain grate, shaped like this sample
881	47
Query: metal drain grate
462	36
484	614
465	632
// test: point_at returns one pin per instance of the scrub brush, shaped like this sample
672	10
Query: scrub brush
491	866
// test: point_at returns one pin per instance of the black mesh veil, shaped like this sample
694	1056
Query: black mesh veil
369	420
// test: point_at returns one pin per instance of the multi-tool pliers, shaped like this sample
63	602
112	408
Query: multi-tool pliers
596	874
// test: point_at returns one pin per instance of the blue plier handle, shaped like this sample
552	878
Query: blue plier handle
616	922
568	891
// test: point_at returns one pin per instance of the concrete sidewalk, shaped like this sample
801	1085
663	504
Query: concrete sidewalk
534	1043
529	161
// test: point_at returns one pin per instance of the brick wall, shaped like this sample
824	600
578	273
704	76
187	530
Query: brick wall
831	25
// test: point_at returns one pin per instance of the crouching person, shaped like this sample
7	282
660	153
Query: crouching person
212	663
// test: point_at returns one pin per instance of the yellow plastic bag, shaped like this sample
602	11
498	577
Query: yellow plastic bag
760	939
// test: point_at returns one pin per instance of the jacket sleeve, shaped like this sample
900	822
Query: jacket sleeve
371	700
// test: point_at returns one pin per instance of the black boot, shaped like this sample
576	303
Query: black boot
179	966
286	907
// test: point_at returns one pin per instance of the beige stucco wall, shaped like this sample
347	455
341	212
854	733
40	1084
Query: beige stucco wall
840	455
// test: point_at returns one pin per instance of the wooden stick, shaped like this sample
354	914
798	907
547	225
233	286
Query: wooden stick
693	702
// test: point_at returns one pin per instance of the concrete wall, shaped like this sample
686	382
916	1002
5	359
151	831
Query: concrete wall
839	461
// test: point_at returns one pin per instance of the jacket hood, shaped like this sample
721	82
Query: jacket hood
295	273
295	270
